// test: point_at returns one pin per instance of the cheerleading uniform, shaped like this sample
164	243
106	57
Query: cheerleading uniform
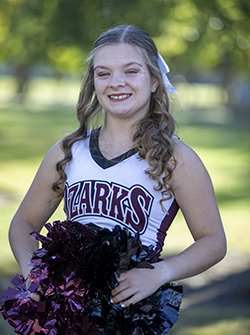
115	192
72	281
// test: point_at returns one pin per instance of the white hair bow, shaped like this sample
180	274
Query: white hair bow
165	69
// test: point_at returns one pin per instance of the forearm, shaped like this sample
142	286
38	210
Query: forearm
200	256
22	244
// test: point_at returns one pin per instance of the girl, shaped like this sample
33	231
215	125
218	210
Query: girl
133	171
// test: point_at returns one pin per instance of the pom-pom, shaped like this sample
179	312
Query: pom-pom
74	273
154	315
115	252
54	278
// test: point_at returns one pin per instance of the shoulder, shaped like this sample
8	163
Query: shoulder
50	160
186	158
55	153
190	173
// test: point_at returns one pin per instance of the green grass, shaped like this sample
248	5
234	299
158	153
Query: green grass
217	321
25	137
28	132
223	143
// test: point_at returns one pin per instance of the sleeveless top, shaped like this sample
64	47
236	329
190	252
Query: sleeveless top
115	192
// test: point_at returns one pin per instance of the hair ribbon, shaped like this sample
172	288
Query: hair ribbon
164	70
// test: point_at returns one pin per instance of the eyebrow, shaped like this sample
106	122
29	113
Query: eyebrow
125	65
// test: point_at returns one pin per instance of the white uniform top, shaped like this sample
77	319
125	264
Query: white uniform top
115	192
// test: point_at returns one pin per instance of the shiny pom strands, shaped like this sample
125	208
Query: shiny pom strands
74	273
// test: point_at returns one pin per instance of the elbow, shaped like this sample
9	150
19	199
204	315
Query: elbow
221	249
224	250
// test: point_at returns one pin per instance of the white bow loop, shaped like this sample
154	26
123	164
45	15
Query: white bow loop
165	69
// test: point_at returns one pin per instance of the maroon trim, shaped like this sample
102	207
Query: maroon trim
98	157
165	224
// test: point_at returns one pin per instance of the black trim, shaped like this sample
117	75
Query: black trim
98	156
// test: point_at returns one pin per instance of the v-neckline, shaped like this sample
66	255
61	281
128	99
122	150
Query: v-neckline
98	157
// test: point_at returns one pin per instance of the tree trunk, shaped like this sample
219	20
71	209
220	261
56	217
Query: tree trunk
22	77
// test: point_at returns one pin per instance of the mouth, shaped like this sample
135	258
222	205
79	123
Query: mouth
119	97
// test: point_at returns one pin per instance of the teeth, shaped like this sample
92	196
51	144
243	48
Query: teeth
124	96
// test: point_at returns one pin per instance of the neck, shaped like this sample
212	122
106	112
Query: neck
118	130
114	142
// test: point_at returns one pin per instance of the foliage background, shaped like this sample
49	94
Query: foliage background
42	47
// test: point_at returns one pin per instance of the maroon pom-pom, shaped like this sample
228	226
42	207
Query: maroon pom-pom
74	273
54	277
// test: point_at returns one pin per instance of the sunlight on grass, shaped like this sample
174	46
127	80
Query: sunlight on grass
201	95
7	261
237	228
44	91
217	321
228	327
236	224
17	175
15	179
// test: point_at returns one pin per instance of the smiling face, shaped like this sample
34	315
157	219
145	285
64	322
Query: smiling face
122	82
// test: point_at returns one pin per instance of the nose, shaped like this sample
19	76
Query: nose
116	81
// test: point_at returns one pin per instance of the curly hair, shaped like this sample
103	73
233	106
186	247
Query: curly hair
153	132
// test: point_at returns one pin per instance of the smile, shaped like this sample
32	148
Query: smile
119	97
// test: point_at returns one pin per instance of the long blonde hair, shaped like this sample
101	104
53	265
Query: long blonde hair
153	133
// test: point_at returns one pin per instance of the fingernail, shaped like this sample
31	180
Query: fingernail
122	305
111	301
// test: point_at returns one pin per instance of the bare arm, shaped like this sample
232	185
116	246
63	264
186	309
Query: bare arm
195	196
34	210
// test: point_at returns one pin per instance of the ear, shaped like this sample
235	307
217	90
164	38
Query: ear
154	85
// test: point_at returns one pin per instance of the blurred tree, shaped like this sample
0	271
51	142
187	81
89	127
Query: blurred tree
74	25
61	32
207	35
191	34
23	37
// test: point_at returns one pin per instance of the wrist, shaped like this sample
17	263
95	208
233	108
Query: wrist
162	272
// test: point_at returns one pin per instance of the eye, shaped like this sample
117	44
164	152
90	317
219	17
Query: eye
102	74
132	71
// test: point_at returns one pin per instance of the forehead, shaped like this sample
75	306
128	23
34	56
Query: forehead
117	54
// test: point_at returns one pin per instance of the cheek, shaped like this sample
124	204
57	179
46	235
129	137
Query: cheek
99	87
100	93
